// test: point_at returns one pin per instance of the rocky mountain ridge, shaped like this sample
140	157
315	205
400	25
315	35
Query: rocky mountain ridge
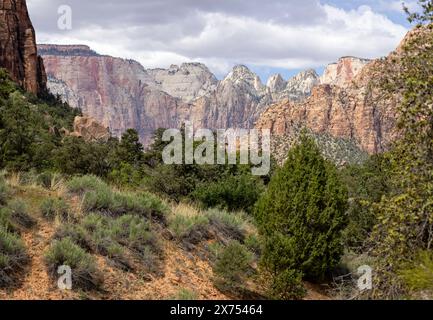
122	94
356	109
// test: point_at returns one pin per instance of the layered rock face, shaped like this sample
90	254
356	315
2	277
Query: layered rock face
122	94
350	105
187	82
344	71
18	52
89	129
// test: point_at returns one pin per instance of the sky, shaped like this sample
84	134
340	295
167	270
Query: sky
268	36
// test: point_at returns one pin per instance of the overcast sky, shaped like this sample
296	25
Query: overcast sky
269	36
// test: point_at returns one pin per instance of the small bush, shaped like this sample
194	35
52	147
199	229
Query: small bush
135	233
13	257
85	274
184	294
77	234
48	180
4	191
287	285
230	225
118	203
5	220
19	215
55	207
418	274
81	185
232	193
232	267
252	242
182	225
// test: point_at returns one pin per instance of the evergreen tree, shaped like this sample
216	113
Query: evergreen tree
301	216
130	150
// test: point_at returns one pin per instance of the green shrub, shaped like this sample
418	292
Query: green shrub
184	294
76	234
232	193
118	203
252	242
130	231
48	179
85	274
5	220
13	257
4	191
183	225
55	207
418	274
19	215
229	224
134	232
301	216
232	267
83	184
287	285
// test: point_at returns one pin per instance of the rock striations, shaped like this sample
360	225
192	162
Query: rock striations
121	94
348	105
18	52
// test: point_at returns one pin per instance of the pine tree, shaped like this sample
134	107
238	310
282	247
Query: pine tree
301	216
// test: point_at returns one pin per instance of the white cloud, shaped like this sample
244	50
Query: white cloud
221	38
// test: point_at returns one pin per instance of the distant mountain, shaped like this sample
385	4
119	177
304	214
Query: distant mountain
348	105
123	94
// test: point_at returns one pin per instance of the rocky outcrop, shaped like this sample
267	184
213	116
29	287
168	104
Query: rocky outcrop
187	82
89	129
18	52
344	71
300	86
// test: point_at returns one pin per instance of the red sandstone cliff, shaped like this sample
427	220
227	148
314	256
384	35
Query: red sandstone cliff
358	110
18	52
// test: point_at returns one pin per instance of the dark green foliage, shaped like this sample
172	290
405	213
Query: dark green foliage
4	191
13	257
130	150
367	183
287	285
85	274
232	193
25	123
75	156
232	267
405	220
302	215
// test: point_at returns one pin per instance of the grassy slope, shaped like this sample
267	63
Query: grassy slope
185	271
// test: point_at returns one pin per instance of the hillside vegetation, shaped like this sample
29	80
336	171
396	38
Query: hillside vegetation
131	227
